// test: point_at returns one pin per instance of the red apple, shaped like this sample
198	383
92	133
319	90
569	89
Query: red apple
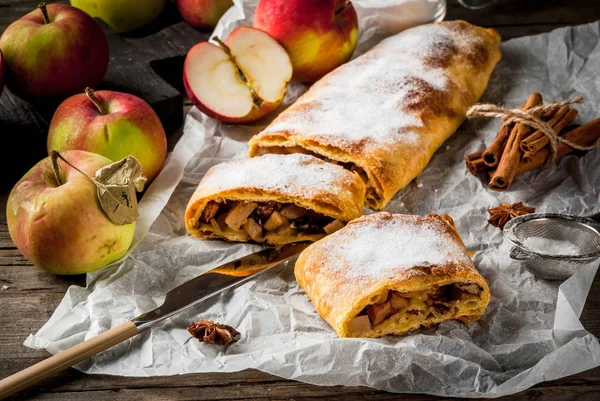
1	73
54	51
239	81
203	14
319	35
59	225
113	124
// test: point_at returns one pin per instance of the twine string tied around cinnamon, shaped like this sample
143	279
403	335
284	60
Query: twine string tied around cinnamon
531	118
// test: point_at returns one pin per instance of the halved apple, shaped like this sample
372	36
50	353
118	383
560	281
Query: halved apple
240	80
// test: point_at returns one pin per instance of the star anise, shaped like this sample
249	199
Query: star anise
500	215
213	333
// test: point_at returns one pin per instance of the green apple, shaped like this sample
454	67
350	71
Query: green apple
113	124
55	219
122	15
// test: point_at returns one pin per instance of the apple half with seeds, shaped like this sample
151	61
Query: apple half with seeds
240	80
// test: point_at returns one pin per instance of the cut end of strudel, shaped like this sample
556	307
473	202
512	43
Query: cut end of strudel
388	274
274	199
386	112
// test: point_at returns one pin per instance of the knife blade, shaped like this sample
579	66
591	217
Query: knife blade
216	281
180	298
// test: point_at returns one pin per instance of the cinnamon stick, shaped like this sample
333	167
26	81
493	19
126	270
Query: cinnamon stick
475	163
507	167
527	157
584	135
543	141
536	141
558	114
511	155
491	155
547	116
568	118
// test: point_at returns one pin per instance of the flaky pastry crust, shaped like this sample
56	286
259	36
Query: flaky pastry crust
301	180
381	254
385	113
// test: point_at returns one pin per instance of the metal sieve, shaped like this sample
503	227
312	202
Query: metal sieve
580	235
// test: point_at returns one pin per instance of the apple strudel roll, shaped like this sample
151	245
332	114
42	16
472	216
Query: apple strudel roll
388	274
274	199
386	112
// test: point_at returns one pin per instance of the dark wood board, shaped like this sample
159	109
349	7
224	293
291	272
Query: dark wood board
32	294
147	63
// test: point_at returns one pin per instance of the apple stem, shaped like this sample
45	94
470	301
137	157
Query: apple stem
343	8
90	93
257	101
54	155
42	7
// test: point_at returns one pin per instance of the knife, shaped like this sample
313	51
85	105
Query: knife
178	299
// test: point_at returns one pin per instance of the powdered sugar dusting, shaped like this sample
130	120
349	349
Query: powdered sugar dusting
295	175
362	100
422	40
375	247
552	246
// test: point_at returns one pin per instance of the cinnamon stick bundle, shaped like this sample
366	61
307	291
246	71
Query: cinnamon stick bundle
485	159
517	150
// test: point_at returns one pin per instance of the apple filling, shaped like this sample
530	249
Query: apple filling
411	309
372	195
270	222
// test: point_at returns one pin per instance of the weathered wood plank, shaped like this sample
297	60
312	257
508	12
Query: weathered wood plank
291	391
255	391
23	277
22	127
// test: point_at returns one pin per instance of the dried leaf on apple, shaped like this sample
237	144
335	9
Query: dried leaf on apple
116	185
117	193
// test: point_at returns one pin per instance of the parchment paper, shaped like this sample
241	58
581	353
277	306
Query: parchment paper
530	332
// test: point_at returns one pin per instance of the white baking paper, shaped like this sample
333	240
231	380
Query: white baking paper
530	332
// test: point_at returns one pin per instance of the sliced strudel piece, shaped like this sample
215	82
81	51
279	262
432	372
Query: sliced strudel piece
386	112
386	274
274	199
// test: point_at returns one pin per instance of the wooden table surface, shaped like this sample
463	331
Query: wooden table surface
28	296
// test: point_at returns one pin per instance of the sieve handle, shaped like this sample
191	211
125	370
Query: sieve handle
518	255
